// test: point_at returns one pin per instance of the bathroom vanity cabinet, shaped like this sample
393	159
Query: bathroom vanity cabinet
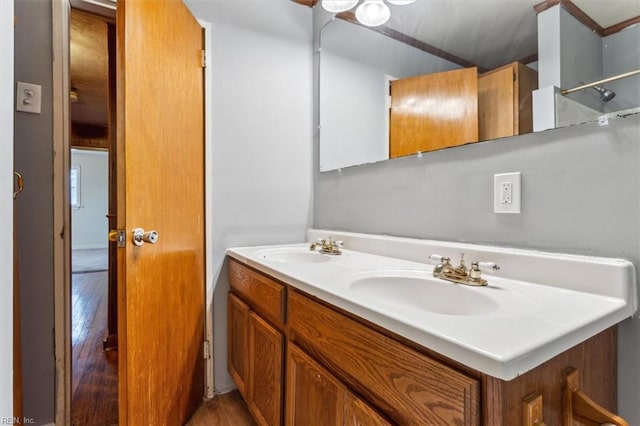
299	360
256	341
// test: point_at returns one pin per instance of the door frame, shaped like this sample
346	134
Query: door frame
62	212
6	205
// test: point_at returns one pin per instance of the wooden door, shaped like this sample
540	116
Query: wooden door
160	182
265	371
433	111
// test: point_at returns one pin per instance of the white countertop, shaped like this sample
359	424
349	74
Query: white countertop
533	321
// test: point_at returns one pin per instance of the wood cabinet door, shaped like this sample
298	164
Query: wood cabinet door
265	371
505	101
238	343
496	98
433	111
409	387
359	413
314	396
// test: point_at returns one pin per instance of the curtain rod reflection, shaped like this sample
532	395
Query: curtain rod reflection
595	83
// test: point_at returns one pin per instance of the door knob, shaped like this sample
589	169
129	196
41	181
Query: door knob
140	236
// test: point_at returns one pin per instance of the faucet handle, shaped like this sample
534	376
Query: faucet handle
488	267
436	258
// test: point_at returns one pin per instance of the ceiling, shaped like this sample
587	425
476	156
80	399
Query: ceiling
492	33
489	33
608	13
89	68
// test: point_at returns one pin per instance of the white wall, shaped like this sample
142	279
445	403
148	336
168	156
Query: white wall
6	208
89	225
261	61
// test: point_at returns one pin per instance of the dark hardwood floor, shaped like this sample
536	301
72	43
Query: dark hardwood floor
228	409
94	372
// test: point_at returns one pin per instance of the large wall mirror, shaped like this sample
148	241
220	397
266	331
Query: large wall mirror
439	74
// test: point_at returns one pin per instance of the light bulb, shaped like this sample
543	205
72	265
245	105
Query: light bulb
337	6
401	2
373	13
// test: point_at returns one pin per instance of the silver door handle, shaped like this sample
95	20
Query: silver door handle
140	236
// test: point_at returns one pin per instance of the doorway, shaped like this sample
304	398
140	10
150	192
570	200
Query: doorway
94	354
62	132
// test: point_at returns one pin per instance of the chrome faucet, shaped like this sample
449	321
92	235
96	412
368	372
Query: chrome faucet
461	274
327	246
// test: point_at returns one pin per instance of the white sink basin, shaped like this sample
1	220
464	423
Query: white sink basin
424	294
293	255
418	290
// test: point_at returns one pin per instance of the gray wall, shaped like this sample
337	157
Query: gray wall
262	135
621	53
581	59
34	159
581	194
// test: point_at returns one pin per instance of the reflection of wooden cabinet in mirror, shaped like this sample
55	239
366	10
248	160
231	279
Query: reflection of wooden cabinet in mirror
433	111
504	101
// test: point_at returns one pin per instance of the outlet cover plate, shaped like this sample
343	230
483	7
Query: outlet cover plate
507	191
28	97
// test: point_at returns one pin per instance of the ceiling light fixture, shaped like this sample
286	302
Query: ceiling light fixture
370	12
73	95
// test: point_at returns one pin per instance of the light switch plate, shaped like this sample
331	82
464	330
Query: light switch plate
507	193
28	97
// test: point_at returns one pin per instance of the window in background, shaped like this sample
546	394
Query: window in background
74	184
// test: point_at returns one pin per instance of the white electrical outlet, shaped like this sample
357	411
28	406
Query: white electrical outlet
507	192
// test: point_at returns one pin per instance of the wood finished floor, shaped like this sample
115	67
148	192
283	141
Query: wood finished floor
228	409
94	372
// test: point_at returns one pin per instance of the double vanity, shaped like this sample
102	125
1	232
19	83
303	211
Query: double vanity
363	332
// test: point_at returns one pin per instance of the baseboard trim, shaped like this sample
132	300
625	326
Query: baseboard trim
89	247
225	389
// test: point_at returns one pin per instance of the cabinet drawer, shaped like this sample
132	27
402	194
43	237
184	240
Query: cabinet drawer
405	385
263	294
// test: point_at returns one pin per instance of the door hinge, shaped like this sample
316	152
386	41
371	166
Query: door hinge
204	58
207	350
